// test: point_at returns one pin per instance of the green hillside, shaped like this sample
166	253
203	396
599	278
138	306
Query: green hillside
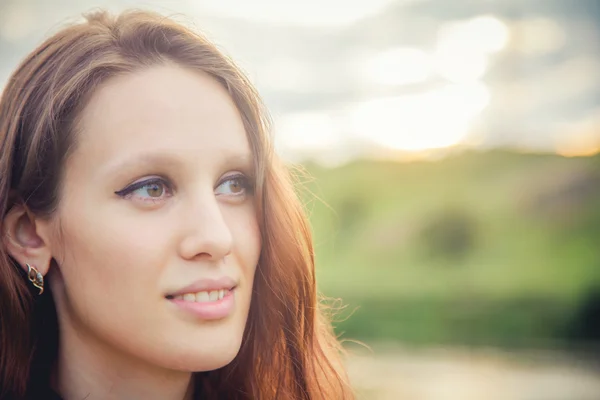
492	248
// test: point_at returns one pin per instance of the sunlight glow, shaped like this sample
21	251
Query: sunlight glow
460	66
574	151
431	120
484	34
463	48
308	13
538	36
306	131
581	139
399	66
286	74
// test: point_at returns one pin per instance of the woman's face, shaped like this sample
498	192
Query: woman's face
157	240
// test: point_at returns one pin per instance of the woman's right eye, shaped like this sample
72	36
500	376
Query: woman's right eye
154	189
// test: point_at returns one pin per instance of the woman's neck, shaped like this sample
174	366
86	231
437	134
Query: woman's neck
87	368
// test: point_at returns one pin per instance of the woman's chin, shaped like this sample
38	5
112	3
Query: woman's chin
203	358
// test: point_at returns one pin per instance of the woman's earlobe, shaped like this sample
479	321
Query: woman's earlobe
22	241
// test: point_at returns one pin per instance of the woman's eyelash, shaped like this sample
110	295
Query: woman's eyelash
138	185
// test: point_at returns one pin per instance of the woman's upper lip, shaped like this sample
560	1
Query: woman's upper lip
207	285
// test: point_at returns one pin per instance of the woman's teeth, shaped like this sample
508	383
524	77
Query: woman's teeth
203	297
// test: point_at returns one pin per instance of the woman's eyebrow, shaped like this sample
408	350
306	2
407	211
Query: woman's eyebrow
243	160
151	160
145	160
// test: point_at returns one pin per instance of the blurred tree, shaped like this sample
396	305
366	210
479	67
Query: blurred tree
586	325
449	234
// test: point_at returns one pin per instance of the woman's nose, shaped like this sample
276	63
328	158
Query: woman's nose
207	234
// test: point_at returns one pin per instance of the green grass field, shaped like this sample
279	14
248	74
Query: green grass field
493	248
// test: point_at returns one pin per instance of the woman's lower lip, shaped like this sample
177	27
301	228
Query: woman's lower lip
209	310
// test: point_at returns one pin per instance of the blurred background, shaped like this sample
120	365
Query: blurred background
453	176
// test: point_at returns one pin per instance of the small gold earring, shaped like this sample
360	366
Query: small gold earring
35	277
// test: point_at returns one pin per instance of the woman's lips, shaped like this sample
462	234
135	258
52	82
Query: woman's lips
206	285
206	305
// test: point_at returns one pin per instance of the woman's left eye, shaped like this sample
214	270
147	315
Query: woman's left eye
237	185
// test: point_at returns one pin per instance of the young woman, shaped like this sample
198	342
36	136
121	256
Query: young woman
152	243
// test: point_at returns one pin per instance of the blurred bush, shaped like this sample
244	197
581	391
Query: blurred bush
520	232
449	234
586	322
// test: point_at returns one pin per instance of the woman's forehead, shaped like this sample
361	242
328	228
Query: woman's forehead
163	108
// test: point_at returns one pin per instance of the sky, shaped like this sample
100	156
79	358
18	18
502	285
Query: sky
400	79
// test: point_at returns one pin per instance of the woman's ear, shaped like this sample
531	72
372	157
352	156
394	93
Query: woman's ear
23	238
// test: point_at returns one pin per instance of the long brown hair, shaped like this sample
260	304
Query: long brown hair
289	350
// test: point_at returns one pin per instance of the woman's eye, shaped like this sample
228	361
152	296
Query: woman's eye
150	189
154	190
237	185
